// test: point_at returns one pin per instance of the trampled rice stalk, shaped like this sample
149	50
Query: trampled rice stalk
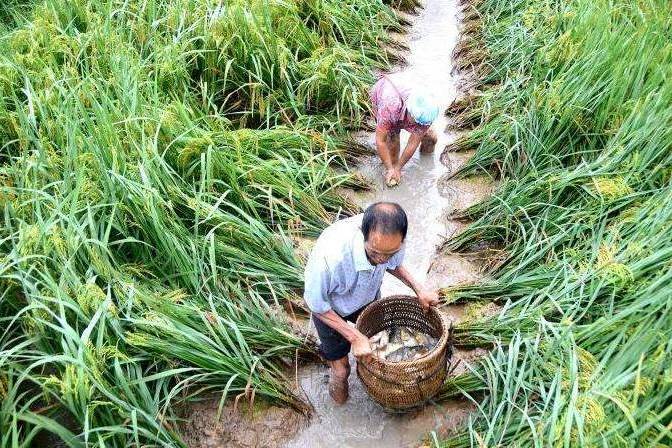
154	157
583	144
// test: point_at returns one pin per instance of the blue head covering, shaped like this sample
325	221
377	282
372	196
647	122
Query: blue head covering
422	107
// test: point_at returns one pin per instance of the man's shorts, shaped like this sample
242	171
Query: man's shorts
333	346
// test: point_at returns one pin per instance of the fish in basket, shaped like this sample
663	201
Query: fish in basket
411	351
401	344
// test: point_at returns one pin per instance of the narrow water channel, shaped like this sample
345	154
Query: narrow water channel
361	422
431	41
428	198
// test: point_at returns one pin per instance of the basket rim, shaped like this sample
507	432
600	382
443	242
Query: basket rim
440	345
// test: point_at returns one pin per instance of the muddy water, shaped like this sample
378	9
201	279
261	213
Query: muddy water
431	40
428	196
363	423
428	199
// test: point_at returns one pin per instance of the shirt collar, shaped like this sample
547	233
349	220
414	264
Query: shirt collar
359	253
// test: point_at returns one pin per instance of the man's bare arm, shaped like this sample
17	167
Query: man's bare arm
360	343
406	277
426	297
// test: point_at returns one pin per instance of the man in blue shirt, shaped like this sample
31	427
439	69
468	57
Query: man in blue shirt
344	273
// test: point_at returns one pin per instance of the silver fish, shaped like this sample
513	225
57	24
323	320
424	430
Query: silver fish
407	354
401	344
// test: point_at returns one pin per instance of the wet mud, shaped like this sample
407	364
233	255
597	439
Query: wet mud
463	193
430	196
243	427
362	423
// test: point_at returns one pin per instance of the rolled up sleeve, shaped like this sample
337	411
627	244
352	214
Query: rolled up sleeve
316	285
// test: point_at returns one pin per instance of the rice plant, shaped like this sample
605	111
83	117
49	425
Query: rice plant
579	136
157	158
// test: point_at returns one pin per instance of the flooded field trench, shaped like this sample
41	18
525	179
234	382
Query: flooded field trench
428	195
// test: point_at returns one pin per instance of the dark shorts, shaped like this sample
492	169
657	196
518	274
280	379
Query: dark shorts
333	346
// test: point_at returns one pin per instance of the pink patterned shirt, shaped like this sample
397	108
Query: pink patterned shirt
388	98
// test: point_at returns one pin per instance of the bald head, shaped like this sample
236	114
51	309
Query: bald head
386	218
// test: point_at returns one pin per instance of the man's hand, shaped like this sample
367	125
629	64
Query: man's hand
392	176
361	347
428	298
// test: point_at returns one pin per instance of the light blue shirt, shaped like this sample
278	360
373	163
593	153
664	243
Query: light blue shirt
338	274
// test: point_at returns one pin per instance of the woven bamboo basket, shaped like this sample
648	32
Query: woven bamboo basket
405	384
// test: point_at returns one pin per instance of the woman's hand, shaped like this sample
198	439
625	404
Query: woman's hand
392	176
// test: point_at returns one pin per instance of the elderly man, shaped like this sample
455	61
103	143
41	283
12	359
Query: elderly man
343	275
399	104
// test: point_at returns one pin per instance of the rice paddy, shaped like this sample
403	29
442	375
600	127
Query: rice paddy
571	111
158	158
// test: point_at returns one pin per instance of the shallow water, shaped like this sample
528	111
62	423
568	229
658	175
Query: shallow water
428	197
361	422
431	41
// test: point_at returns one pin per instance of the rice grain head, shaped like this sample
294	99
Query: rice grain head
611	187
